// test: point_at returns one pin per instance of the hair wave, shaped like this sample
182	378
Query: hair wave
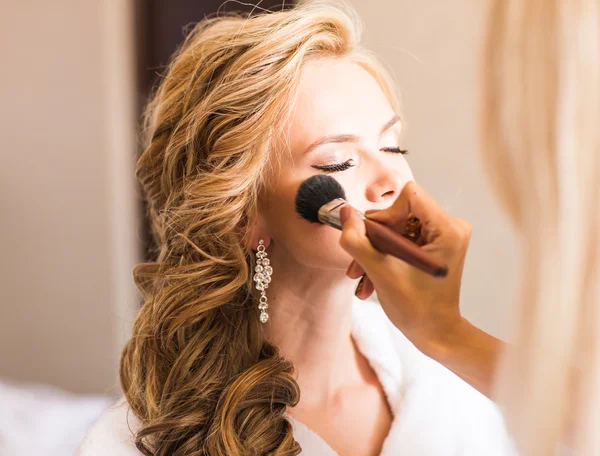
197	370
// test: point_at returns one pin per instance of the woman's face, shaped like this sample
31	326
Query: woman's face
342	125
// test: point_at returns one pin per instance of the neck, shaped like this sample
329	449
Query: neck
310	320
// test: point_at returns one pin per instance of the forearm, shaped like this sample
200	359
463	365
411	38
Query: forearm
474	355
470	353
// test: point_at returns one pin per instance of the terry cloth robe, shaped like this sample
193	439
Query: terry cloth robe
434	411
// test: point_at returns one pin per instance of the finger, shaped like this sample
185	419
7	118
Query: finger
355	270
368	259
394	216
413	201
368	288
409	227
350	221
462	233
355	241
364	288
465	229
383	267
422	205
397	215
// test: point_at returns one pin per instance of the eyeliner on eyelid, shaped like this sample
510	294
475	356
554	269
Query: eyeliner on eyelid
396	150
338	167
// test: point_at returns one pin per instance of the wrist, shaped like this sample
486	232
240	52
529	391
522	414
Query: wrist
443	343
469	352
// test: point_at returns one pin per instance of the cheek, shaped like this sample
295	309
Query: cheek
406	172
318	246
355	184
313	245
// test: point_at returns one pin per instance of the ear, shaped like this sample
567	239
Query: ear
256	232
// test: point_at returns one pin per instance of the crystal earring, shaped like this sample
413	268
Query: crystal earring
262	278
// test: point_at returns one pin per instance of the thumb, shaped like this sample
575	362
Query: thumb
354	239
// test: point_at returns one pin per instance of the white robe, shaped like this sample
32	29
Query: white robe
435	412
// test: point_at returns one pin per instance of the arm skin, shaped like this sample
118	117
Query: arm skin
469	352
474	355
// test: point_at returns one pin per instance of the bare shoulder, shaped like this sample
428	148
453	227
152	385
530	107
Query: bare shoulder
113	434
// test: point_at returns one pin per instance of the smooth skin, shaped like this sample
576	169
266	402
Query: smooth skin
310	297
424	308
427	309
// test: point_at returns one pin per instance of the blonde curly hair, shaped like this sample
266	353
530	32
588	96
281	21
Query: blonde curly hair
197	370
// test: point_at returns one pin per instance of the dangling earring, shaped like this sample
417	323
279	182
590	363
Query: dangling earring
262	279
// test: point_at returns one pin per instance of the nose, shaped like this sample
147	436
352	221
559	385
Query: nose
385	182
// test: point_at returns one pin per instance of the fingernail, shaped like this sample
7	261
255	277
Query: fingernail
360	285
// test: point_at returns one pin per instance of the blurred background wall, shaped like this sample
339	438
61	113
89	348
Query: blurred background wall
67	194
75	76
433	49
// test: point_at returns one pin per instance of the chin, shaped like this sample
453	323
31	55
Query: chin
340	259
328	259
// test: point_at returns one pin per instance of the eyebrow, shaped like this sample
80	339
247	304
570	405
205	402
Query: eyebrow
348	138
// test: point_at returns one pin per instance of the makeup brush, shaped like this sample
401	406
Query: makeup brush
319	200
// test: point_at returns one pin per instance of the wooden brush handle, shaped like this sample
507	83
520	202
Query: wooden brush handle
388	241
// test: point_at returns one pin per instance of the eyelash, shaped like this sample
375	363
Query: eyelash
337	167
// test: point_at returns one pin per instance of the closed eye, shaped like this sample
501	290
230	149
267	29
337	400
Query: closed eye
335	167
338	167
395	150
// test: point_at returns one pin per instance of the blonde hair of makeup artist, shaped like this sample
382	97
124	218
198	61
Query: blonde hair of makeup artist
197	370
541	124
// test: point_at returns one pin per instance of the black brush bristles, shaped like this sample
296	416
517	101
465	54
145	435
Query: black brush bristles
313	193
